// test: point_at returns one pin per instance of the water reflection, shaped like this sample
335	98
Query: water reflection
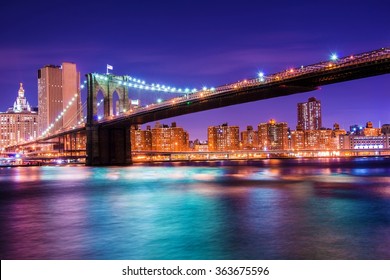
274	209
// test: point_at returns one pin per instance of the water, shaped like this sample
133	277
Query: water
272	209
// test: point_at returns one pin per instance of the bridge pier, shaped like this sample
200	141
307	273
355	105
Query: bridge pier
108	145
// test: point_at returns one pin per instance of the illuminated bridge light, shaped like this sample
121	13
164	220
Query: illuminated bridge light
334	56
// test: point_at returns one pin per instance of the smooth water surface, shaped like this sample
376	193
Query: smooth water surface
271	209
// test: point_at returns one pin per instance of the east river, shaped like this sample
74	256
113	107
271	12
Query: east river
270	209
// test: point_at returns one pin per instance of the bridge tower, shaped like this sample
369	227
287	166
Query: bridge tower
107	144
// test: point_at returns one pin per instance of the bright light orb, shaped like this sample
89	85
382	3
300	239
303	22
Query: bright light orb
334	57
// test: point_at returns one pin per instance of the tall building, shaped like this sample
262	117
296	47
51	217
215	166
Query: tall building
19	123
58	92
223	138
141	140
249	139
309	114
273	135
169	139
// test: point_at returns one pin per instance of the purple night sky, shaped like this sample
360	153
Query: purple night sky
201	43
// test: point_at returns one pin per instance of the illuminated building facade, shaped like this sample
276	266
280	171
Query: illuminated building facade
336	133
249	139
169	139
273	135
370	130
141	140
319	140
19	123
365	142
309	114
297	140
223	138
58	91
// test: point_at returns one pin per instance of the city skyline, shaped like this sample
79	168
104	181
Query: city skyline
204	51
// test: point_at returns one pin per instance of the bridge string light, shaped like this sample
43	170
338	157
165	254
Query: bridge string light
59	116
141	84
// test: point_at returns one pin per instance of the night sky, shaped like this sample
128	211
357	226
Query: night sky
201	43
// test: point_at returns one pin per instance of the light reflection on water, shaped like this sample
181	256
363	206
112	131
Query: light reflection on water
273	209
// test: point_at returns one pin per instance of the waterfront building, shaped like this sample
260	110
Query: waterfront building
169	139
199	146
309	114
351	141
249	139
58	91
273	135
19	123
336	133
297	138
141	140
223	138
319	139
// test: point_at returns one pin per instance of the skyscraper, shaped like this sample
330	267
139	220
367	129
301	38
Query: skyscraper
58	92
19	123
309	114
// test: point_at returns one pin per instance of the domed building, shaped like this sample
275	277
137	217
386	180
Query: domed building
21	103
19	123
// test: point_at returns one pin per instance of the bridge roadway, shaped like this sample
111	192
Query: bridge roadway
285	83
